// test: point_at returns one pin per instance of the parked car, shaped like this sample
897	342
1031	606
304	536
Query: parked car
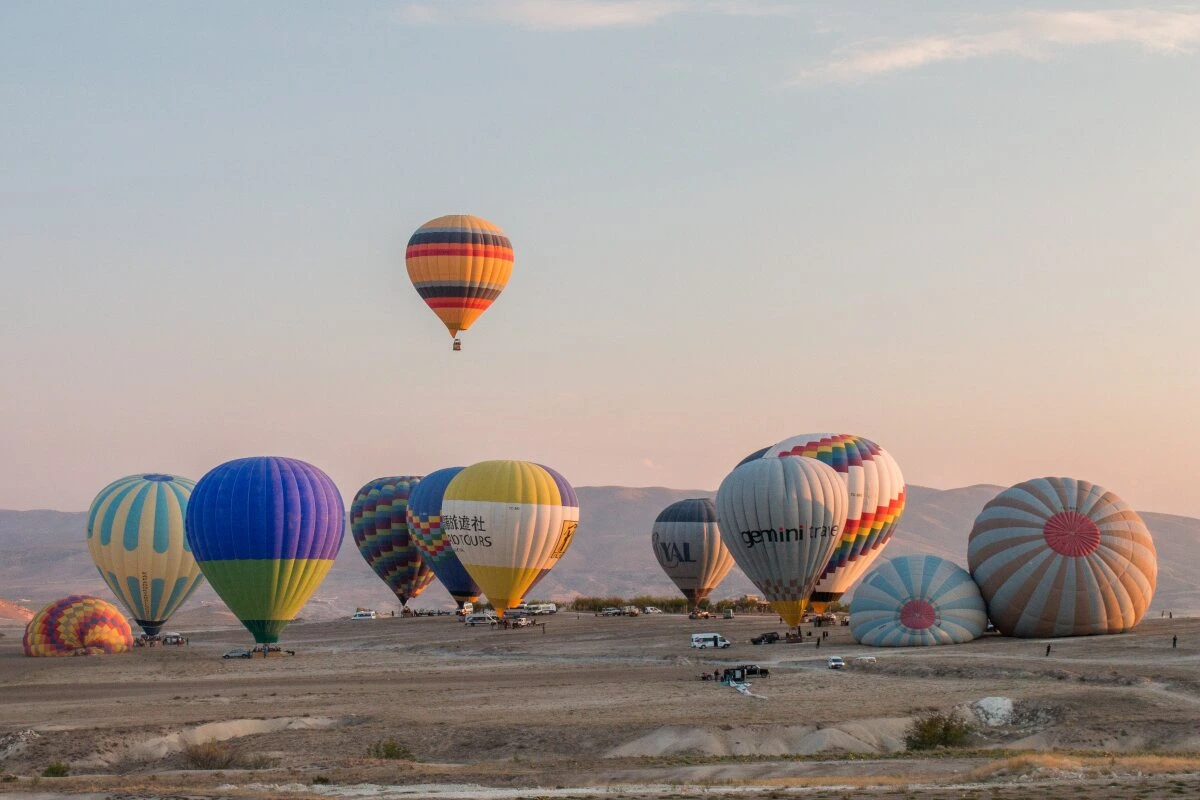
363	613
240	652
698	614
631	611
835	662
521	622
611	611
703	640
755	669
770	637
651	610
488	618
173	638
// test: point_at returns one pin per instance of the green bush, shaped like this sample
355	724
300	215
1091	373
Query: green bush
56	769
321	780
937	729
390	749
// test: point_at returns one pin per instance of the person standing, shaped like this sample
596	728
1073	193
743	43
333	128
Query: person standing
1047	650
1174	641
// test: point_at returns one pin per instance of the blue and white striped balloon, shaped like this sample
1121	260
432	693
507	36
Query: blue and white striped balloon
916	601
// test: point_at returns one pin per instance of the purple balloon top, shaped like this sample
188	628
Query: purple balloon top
265	507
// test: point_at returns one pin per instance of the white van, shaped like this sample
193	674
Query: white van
486	618
363	614
703	640
543	608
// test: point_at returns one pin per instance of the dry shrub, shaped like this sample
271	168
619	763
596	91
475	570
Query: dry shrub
1022	765
210	755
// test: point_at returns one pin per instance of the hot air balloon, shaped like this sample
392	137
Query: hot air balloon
459	264
135	534
687	543
1062	557
782	518
425	525
757	454
509	523
916	601
77	626
379	524
876	490
265	531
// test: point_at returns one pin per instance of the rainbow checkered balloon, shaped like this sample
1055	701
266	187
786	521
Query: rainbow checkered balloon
78	625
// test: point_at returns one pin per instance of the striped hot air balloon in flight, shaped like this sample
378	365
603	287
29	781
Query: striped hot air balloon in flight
459	264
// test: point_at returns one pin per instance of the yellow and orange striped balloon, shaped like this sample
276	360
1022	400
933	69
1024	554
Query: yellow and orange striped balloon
459	264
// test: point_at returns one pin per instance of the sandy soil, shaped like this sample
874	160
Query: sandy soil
602	707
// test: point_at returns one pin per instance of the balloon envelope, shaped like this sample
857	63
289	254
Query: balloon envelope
876	493
459	264
509	522
687	543
77	625
1062	557
782	518
379	524
265	531
135	535
917	601
425	525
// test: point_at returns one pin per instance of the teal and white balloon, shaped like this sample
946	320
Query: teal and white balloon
916	601
135	533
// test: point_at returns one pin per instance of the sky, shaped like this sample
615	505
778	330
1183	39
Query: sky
966	231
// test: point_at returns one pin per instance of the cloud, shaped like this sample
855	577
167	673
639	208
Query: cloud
1030	34
541	15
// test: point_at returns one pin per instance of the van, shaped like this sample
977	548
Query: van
543	608
363	614
486	618
703	640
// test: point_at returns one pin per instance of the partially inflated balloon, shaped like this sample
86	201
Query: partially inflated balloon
914	601
1062	557
459	264
379	524
425	525
77	626
687	543
509	522
265	532
876	491
135	534
782	518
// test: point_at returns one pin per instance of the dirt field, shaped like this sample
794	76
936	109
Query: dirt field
611	707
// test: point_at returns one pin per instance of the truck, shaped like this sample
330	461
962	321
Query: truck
704	640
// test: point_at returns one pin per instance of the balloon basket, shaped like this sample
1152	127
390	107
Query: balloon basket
457	345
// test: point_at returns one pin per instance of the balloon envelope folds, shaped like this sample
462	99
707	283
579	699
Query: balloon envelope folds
135	533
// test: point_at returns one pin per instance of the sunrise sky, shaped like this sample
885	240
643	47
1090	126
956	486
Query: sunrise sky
966	231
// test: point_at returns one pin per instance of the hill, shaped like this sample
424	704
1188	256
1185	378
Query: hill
45	555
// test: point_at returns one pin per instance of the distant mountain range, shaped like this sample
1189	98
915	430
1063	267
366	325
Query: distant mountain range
43	555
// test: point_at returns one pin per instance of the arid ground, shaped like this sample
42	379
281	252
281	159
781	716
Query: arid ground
588	706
